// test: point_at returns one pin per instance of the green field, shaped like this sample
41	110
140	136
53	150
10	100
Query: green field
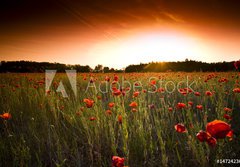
152	119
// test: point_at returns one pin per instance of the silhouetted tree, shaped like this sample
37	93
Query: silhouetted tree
28	66
106	69
98	68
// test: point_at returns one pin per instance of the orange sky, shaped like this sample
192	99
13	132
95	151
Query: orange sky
117	34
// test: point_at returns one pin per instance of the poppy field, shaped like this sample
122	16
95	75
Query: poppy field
125	119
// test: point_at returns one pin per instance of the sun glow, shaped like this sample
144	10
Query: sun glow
150	47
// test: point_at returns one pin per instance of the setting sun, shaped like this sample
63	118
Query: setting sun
147	47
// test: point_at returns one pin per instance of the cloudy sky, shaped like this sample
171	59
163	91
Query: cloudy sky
118	33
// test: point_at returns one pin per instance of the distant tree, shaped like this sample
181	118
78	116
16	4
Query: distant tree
98	68
187	65
83	69
112	70
106	69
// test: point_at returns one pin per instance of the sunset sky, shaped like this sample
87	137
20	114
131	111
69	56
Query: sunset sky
117	33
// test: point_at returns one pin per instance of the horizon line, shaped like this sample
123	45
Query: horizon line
116	68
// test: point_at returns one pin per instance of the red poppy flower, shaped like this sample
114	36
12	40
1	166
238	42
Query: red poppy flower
184	93
153	82
188	90
211	141
208	93
135	94
91	80
108	112
120	119
137	84
123	93
161	90
107	79
202	136
197	94
236	90
133	104
111	105
117	161
115	78
226	116
82	108
2	86
17	86
117	92
41	82
48	92
218	129
180	128
226	109
181	105
181	90
61	107
230	134
170	109
190	103
6	116
114	82
200	107
89	103
222	80
92	118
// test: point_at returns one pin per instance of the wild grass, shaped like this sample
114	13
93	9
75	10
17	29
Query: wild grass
47	129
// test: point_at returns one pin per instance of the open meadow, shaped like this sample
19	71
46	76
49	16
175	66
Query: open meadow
128	119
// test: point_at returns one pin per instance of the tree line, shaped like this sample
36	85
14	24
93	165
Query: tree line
187	66
39	67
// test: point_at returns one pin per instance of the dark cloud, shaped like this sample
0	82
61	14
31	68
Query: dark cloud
95	12
23	18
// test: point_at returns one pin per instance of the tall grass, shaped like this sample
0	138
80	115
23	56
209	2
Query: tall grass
49	130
